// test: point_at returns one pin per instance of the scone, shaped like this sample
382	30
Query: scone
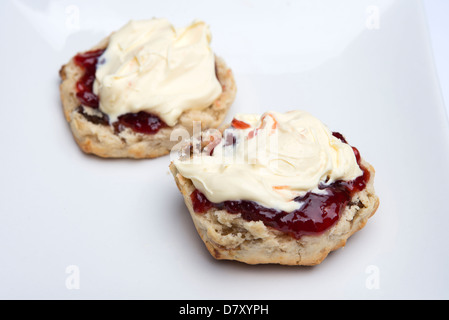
278	188
124	97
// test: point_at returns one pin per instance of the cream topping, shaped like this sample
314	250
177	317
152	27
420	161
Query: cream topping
151	66
278	157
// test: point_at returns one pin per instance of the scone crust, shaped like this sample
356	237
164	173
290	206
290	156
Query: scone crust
230	237
102	141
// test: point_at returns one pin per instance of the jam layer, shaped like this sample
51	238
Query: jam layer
84	87
141	122
317	213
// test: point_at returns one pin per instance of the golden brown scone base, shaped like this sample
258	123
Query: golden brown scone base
230	237
102	141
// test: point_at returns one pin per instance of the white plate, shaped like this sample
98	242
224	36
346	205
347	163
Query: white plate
364	67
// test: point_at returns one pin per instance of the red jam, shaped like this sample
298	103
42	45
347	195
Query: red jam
84	87
318	213
141	122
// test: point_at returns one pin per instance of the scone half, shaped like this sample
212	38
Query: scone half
229	236
95	135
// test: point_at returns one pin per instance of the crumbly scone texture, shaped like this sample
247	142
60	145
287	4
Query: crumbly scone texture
230	237
103	141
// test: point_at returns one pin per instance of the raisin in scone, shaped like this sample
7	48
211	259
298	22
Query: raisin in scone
278	188
124	97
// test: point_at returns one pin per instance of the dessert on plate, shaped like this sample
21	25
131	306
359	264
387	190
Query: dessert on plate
275	188
124	97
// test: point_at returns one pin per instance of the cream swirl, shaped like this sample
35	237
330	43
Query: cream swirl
151	66
276	157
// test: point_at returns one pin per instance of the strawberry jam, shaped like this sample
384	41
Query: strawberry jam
317	214
84	87
141	122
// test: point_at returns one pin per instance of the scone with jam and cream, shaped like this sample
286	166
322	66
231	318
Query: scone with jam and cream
276	188
124	97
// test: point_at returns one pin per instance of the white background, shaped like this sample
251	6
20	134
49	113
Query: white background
437	12
123	225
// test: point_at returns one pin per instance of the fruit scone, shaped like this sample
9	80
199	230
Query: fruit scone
124	97
277	188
